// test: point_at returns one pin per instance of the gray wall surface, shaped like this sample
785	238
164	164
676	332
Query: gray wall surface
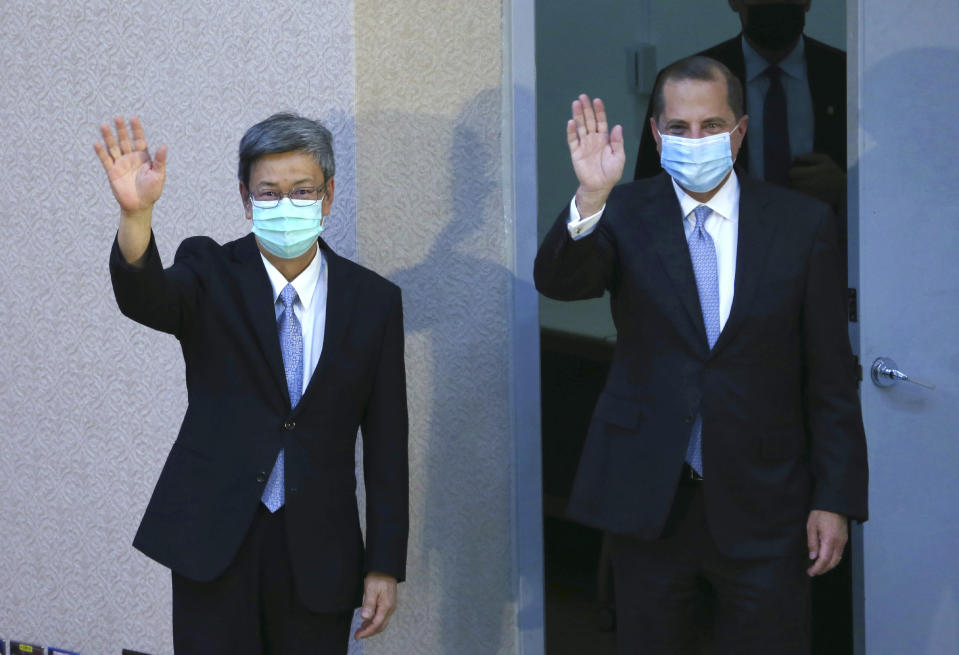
90	402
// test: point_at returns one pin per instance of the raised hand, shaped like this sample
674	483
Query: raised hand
135	178
596	152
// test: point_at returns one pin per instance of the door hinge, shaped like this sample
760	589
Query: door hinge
853	305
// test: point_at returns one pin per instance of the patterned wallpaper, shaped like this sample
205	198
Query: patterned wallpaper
89	401
430	200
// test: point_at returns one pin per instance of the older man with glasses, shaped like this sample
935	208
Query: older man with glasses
289	350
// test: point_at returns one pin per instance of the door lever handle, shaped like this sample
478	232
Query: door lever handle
885	373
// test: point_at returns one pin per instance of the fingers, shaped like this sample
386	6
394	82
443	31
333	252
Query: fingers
579	118
123	136
159	160
572	139
589	113
139	138
104	156
599	111
826	538
378	606
616	140
110	143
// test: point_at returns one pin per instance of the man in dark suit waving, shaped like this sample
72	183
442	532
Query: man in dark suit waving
289	350
727	446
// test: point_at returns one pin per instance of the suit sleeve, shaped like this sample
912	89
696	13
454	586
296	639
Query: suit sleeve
568	269
160	299
385	429
833	412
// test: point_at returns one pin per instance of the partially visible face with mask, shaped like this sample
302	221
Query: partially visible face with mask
770	25
698	135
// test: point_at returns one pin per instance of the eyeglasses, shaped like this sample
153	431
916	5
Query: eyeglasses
303	196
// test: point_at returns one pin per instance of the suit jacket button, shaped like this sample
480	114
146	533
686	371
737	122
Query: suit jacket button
261	477
289	425
688	419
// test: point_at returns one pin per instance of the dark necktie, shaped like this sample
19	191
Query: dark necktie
776	155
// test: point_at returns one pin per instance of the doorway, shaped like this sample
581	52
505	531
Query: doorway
613	52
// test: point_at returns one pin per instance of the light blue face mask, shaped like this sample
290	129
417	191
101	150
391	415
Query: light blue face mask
698	165
286	230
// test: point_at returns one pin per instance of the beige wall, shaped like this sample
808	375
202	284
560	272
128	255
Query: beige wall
430	215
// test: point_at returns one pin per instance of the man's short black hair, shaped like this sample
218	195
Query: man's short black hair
700	68
287	132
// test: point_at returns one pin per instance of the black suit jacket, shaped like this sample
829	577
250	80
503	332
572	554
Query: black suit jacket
782	427
218	301
826	72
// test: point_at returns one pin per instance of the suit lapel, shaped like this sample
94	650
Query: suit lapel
756	229
258	299
664	221
340	302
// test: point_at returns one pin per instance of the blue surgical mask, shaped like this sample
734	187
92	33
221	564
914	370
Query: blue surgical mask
698	165
286	230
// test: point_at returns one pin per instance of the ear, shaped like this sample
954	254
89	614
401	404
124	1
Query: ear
736	141
247	206
656	135
328	196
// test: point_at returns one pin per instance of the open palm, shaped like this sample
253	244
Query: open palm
595	150
135	178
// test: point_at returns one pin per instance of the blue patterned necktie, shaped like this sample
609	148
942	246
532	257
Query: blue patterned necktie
703	253
291	343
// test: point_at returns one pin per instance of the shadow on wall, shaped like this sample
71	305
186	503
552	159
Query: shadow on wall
456	310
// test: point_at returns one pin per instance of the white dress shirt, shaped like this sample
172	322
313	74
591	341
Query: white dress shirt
310	307
799	110
722	225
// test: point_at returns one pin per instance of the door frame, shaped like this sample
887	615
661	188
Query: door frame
520	212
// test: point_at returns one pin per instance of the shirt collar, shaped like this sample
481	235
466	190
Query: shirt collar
725	203
304	283
793	64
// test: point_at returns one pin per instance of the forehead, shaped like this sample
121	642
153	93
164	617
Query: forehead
694	100
286	168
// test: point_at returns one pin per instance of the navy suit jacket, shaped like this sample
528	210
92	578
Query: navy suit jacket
782	426
217	300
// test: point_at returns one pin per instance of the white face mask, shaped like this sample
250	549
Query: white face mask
286	230
698	165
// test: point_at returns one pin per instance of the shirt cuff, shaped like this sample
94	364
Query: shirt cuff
578	226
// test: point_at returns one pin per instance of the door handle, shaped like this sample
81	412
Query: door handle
885	373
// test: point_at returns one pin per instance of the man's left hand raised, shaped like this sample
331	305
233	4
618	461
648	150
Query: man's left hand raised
379	603
826	534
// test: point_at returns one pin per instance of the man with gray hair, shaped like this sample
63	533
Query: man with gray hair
289	349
